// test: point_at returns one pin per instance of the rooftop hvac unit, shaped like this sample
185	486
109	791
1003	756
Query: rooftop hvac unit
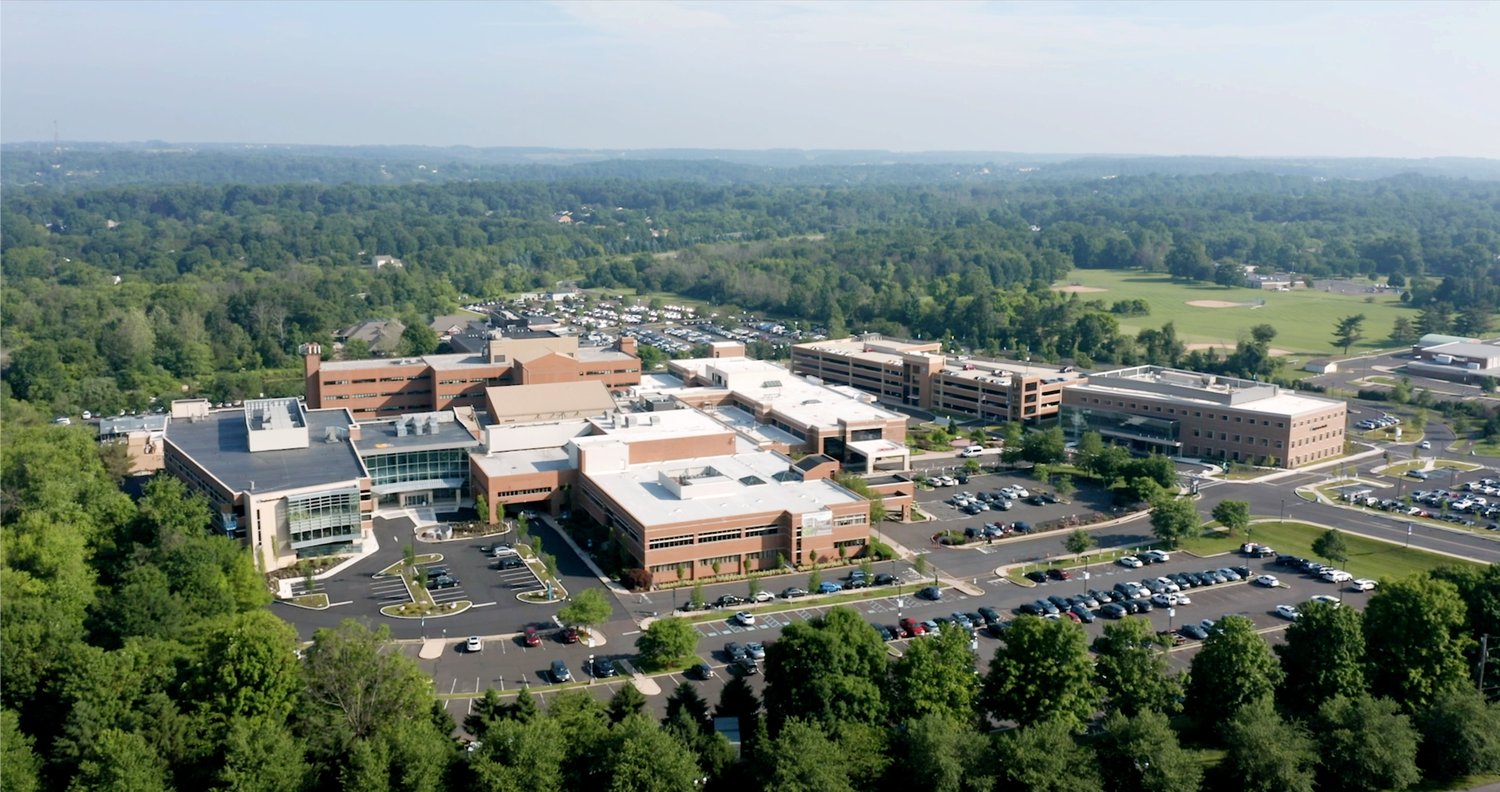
401	427
331	434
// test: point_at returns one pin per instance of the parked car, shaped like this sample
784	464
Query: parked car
1269	581
1165	599
963	620
1057	573
1084	614
756	650
745	618
763	596
532	636
568	635
437	571
912	627
560	672
446	581
474	644
1362	584
1193	631
829	587
990	615
932	593
745	667
1129	562
1112	610
704	671
602	668
1287	612
1156	556
511	562
735	650
728	601
1036	576
1326	599
886	633
1336	576
792	592
1142	605
884	579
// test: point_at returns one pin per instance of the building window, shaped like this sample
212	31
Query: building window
671	541
851	519
720	536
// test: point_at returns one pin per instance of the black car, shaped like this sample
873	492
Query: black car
884	579
1062	603
703	671
602	668
745	667
1021	527
1112	610
1142	605
990	615
1047	607
1036	576
792	592
1182	580
511	562
560	673
885	632
932	593
1242	571
442	582
1129	605
1194	578
998	629
1032	609
1193	631
437	571
1102	597
728	601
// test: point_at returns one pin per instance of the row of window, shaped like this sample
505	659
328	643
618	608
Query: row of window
1182	411
851	519
1225	436
518	493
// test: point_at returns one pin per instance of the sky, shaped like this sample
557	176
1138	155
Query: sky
1390	79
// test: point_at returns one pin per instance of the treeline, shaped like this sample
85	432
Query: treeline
115	296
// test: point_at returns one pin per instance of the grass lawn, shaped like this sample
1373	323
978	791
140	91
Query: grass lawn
1303	318
1368	558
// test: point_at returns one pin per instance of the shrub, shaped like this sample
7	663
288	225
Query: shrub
637	579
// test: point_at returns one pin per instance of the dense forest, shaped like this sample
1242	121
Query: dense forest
116	296
139	655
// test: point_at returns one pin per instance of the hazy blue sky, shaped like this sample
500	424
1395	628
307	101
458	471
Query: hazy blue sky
1278	78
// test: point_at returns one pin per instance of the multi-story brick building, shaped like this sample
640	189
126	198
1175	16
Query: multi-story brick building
1183	413
381	388
918	374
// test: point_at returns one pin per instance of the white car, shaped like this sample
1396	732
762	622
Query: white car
474	644
1156	556
745	617
1334	601
1269	581
1020	492
1336	576
1169	585
1166	599
1363	584
764	596
1129	562
1287	612
1424	445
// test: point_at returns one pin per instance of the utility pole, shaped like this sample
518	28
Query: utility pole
1484	659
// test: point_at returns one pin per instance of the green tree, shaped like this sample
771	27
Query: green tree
1268	754
1141	754
754	587
1415	640
259	755
486	711
814	579
919	563
1173	519
1366	743
1046	446
587	609
828	669
738	700
1460	735
934	677
685	699
1042	472
1331	545
418	339
626	701
1234	668
1132	669
942	753
1041	671
1044	757
1323	657
666	643
1403	332
22	769
1234	515
1064	488
518	756
123	761
1079	541
641	757
1349	331
802	758
696	597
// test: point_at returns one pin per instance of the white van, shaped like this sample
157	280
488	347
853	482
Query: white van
969	452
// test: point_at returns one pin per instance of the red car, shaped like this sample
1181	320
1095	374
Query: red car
533	638
1059	574
570	635
912	627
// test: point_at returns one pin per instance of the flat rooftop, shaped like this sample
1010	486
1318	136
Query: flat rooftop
384	437
1466	349
514	463
747	483
220	443
548	401
632	427
787	394
1190	387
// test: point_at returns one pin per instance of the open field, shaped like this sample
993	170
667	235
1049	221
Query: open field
1368	558
1303	318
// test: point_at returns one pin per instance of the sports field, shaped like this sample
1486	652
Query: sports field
1304	318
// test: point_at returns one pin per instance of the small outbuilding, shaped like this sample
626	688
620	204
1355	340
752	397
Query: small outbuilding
1321	366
